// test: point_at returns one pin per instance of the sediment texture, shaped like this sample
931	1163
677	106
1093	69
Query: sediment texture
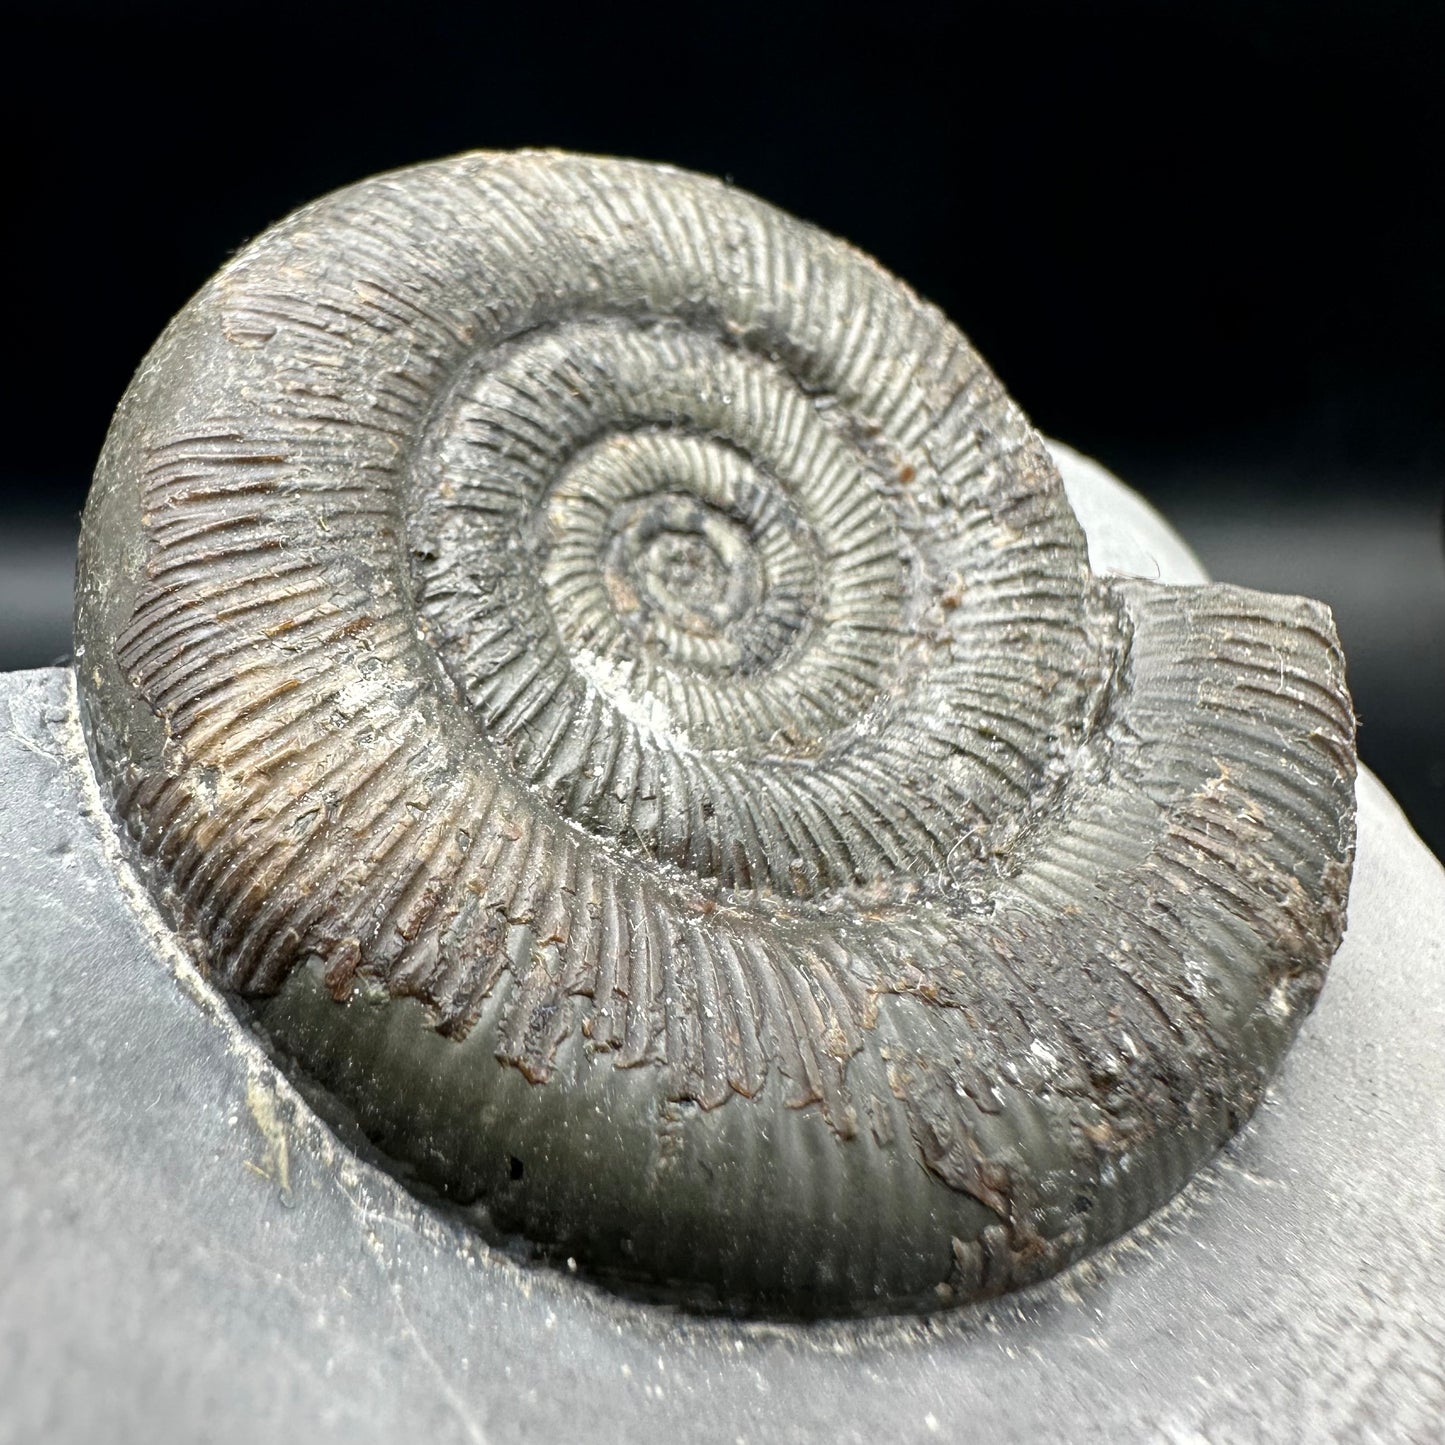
613	679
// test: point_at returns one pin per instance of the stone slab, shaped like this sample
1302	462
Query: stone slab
187	1253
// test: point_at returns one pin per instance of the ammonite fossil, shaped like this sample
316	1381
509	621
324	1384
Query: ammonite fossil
611	680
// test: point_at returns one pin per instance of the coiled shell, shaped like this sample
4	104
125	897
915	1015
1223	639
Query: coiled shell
613	679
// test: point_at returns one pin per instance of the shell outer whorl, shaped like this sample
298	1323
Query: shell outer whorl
614	682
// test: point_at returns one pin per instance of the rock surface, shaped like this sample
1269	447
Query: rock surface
187	1253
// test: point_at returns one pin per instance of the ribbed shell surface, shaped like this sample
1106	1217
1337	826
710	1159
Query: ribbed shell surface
614	682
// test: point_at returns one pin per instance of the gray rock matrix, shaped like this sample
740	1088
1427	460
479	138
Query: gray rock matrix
188	1253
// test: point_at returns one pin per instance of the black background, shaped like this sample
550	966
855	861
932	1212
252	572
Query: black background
1202	243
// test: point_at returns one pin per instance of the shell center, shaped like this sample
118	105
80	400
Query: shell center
675	560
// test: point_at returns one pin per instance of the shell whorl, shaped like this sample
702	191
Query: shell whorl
615	682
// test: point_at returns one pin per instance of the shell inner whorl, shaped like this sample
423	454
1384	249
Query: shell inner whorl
577	467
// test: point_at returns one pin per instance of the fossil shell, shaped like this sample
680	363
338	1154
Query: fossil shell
615	682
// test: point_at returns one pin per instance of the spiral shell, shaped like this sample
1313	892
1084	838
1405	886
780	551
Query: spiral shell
614	682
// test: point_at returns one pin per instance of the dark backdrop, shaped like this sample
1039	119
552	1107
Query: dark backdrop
1201	242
